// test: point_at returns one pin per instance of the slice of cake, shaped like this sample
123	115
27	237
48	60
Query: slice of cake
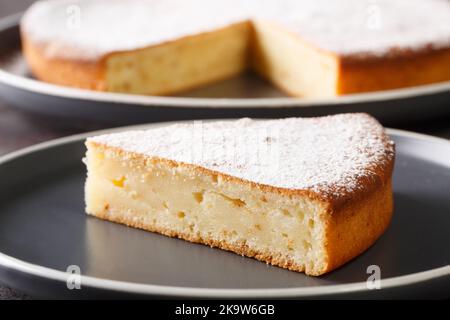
303	194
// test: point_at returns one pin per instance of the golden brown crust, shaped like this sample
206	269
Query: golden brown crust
66	72
396	70
357	221
356	226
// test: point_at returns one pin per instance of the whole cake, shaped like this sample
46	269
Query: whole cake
303	194
307	48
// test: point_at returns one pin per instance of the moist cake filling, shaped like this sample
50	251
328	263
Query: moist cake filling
173	200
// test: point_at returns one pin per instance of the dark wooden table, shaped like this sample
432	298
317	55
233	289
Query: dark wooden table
18	129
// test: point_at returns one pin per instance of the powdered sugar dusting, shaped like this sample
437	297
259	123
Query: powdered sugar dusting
347	27
326	155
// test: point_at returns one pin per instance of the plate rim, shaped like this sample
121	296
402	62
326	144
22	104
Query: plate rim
12	263
40	87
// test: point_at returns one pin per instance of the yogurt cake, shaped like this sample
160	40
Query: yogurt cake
307	48
303	194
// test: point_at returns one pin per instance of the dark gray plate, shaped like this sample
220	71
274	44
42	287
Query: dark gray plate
243	96
43	230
